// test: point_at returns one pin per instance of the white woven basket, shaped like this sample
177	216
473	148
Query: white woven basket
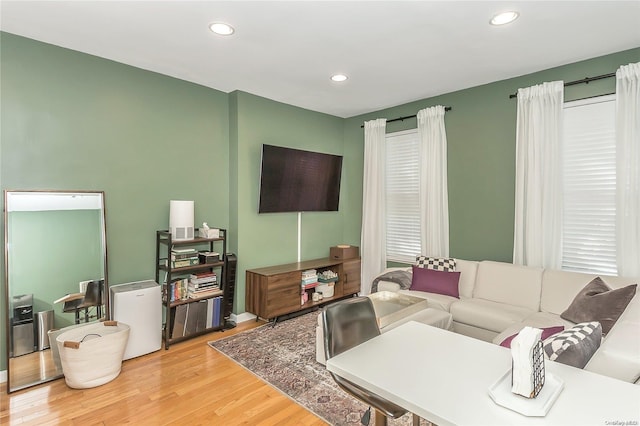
91	355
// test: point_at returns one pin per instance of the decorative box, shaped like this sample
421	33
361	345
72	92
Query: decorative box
344	251
208	257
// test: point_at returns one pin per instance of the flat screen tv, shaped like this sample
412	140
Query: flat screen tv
292	180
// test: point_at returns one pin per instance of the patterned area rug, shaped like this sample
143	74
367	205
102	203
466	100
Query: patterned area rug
284	356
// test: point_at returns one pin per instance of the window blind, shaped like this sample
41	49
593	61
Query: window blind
589	185
402	205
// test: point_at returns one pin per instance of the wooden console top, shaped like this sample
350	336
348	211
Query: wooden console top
298	266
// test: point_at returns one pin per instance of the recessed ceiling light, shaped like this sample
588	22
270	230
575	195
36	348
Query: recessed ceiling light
504	18
339	77
221	28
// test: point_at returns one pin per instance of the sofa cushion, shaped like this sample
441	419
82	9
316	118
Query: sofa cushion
509	284
576	345
436	263
546	333
434	300
545	319
537	320
493	316
468	271
559	288
434	281
597	302
619	353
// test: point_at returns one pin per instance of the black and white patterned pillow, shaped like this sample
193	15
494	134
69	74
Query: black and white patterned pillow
436	263
576	345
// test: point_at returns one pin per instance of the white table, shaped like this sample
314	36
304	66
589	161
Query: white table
445	378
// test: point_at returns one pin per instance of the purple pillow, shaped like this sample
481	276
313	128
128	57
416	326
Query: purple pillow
433	281
546	332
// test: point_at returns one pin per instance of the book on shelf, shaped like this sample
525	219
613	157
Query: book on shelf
210	277
205	287
196	294
201	316
190	261
183	250
217	311
192	318
309	273
179	318
205	291
310	285
203	278
209	321
183	255
197	286
203	275
201	294
175	290
195	317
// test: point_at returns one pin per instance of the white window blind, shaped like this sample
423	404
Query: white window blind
589	179
402	205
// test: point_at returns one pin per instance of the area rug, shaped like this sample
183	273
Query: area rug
284	356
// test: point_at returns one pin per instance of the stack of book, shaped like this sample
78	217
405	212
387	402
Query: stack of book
184	257
203	284
191	318
176	290
309	279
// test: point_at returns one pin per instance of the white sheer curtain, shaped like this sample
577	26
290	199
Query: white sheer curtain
373	237
434	198
538	210
628	169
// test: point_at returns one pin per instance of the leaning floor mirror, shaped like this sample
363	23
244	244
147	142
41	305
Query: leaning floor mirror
55	276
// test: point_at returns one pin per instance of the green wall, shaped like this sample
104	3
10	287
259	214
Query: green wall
481	131
74	121
271	239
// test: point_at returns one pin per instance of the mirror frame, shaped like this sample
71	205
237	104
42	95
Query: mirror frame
6	274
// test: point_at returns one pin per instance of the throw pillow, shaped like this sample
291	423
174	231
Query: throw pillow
576	345
433	281
597	302
436	263
546	333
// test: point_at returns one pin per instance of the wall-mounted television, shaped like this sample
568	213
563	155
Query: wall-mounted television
292	180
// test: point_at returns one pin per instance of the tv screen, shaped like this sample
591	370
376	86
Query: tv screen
292	180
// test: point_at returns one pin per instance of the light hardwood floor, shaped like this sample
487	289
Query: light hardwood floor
190	384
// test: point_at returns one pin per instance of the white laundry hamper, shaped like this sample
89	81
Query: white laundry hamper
91	355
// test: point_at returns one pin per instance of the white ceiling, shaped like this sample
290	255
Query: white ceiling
393	51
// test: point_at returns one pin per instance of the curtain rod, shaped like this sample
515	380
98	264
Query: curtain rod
585	80
406	117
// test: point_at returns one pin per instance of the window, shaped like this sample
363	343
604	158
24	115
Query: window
589	185
402	196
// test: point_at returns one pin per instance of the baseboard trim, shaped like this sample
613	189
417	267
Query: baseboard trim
3	376
245	316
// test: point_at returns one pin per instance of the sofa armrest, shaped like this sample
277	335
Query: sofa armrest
619	353
388	286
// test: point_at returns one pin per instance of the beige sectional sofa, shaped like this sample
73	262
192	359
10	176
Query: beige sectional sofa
498	299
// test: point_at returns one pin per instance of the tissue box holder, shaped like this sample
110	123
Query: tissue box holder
538	369
209	233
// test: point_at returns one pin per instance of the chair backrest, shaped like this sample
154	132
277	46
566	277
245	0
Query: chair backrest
94	294
348	323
